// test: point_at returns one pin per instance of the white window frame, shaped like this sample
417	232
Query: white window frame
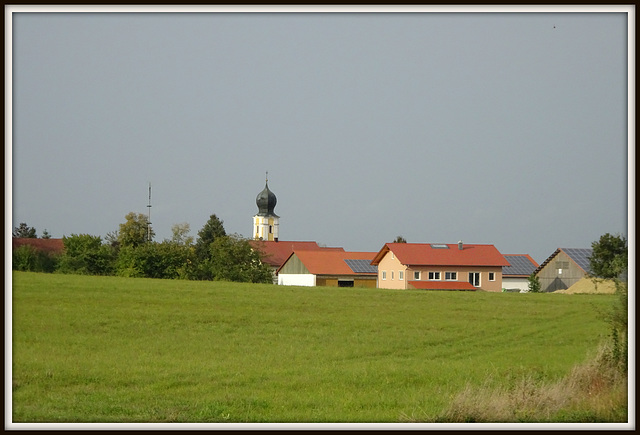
392	275
492	276
416	275
400	275
453	276
479	279
384	275
432	276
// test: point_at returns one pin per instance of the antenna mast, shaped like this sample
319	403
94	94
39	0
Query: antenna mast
149	216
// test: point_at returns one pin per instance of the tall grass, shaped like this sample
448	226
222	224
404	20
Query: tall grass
108	349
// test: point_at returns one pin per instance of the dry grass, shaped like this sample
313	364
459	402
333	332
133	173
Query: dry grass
587	286
595	391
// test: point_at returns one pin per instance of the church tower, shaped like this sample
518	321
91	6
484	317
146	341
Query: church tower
265	223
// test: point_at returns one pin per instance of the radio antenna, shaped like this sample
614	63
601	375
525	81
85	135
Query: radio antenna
149	216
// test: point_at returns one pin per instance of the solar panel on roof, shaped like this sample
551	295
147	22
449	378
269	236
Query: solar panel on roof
439	246
519	265
580	256
361	266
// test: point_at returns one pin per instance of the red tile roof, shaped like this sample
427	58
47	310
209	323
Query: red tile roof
331	262
276	253
442	285
45	245
423	254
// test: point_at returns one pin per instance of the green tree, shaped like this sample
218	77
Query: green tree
86	255
609	260
609	257
400	239
135	231
179	234
212	230
45	234
164	260
233	259
24	231
534	283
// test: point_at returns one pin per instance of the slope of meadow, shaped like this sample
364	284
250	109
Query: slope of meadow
108	349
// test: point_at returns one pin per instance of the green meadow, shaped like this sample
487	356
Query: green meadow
109	349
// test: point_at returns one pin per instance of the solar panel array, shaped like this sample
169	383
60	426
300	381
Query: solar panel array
580	256
361	266
439	246
520	265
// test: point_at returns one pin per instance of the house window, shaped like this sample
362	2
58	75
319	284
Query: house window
434	276
392	275
492	276
392	257
474	278
270	229
400	275
384	275
416	275
451	276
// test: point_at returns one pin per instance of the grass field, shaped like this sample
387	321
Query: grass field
108	349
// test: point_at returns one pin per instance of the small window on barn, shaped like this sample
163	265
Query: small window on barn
434	276
416	275
451	276
492	276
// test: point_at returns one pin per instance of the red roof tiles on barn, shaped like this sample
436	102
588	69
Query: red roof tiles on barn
331	262
276	253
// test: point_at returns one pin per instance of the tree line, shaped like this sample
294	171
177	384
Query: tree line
131	252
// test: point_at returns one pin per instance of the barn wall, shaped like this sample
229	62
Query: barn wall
559	274
294	266
306	280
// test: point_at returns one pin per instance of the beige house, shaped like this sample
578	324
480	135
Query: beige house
435	266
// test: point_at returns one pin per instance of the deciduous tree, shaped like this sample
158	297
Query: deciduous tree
233	259
609	257
135	231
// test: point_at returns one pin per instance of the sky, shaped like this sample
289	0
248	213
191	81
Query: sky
496	128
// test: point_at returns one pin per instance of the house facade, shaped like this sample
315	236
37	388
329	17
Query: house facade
328	268
434	266
563	268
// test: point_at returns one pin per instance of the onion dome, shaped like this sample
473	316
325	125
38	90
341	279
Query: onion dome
266	202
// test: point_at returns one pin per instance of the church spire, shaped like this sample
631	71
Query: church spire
265	222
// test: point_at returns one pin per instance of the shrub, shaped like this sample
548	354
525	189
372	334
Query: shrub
164	260
86	255
29	259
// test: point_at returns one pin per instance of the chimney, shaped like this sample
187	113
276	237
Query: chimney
460	245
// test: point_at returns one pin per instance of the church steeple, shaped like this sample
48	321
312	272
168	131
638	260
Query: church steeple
266	222
266	200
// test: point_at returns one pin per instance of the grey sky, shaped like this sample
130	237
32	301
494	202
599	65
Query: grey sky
508	129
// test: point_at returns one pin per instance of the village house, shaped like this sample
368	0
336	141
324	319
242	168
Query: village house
275	253
328	267
515	277
563	268
436	266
